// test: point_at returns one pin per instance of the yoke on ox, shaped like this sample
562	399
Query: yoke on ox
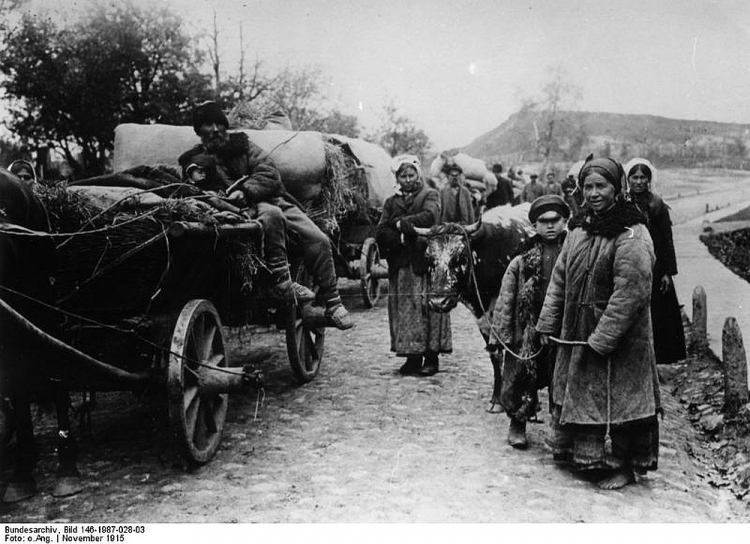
466	264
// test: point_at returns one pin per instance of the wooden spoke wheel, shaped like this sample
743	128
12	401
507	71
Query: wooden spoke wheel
304	343
369	283
197	418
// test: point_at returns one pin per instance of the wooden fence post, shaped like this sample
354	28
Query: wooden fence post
700	321
735	367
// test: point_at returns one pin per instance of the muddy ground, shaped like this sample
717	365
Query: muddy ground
363	444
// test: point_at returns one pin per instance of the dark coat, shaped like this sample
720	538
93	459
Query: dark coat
420	209
241	157
456	207
503	194
600	293
666	317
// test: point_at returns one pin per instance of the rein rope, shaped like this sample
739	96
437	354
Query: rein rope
493	333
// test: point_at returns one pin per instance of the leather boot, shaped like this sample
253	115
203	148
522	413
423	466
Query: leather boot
517	434
412	365
431	366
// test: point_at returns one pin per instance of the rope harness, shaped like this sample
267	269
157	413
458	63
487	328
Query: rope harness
507	350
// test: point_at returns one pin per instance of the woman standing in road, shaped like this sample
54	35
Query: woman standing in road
666	318
597	304
417	333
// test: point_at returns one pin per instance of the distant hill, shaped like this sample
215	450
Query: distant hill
667	142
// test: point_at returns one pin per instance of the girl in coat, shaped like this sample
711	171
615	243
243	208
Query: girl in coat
417	333
606	394
666	318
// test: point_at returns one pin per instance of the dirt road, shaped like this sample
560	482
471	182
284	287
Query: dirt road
362	444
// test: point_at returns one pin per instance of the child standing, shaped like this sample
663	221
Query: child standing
517	310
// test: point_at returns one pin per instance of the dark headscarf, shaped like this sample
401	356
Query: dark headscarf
607	167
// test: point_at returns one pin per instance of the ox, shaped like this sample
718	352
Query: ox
466	264
26	266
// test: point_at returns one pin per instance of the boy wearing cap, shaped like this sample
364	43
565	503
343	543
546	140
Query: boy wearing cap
516	312
237	158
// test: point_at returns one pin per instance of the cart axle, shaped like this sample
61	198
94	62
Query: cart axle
221	380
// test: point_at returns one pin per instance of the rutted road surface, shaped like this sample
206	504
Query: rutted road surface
362	444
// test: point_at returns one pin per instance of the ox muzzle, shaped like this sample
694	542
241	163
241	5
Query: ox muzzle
449	258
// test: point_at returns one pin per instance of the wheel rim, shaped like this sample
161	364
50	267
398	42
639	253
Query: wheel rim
306	350
197	419
370	284
304	346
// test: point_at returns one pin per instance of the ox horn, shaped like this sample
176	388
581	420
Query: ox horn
421	231
474	227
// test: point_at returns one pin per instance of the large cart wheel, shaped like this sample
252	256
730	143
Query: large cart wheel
197	417
304	342
369	282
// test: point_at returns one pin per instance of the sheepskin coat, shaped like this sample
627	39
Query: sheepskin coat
600	293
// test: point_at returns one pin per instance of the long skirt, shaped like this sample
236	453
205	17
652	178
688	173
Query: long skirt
415	329
635	444
666	320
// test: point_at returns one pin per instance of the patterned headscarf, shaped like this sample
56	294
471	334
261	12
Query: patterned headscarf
411	160
607	167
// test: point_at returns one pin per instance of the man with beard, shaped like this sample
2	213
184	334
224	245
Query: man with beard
243	164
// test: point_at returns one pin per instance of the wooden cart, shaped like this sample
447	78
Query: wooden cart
142	304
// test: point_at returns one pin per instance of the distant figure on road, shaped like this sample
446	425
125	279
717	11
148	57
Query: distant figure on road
517	310
456	202
570	194
417	333
504	193
606	393
532	190
552	187
666	318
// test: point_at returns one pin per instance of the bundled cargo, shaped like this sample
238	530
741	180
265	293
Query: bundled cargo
374	163
472	168
299	156
320	171
478	178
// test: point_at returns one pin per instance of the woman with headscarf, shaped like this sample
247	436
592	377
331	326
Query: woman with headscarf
666	318
597	307
417	333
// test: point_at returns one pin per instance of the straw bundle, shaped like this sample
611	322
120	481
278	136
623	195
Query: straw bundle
121	263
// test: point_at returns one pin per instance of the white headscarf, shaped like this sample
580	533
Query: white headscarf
412	160
632	163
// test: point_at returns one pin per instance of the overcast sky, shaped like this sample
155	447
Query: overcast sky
459	68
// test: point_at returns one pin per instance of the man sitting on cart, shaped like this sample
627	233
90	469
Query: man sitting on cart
241	163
